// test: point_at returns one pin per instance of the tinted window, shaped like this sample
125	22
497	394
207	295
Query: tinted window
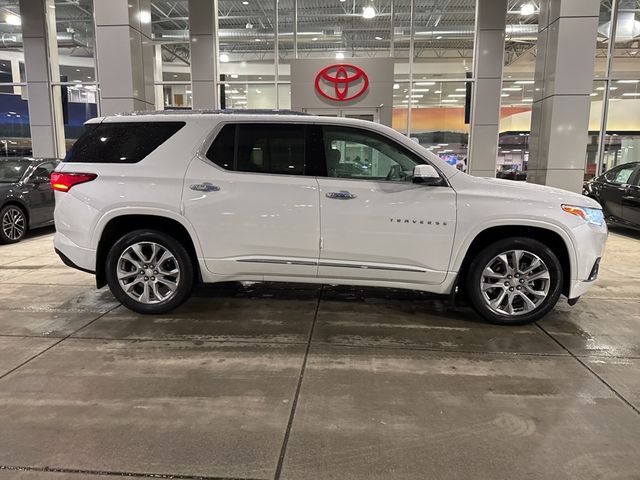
619	175
121	142
11	171
360	154
43	171
221	150
262	148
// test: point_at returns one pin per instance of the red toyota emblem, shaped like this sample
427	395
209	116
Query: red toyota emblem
333	82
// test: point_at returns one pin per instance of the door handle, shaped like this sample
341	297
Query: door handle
204	187
341	195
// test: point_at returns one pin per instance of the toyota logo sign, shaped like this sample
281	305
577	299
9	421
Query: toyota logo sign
341	82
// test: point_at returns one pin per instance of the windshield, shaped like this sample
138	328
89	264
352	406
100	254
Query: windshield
12	171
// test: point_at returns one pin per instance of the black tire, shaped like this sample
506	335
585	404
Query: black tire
8	210
182	259
477	266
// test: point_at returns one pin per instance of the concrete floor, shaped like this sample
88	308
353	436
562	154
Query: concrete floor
303	382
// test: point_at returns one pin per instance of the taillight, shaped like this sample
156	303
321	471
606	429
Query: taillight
63	182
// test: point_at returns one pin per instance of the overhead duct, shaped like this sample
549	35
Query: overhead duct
64	39
516	31
627	27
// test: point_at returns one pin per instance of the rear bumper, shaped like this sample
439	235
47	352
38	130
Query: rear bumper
74	256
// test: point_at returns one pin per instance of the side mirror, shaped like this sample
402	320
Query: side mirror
427	175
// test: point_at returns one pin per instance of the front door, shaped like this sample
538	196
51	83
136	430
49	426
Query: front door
376	223
41	197
254	209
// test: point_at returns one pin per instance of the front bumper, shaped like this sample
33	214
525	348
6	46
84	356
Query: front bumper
590	242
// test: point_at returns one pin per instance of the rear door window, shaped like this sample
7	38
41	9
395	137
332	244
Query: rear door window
260	148
122	142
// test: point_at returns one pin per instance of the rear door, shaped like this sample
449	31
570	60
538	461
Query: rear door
255	210
376	223
613	187
631	200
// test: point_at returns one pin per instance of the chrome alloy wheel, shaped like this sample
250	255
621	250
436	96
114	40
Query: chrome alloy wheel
515	282
148	272
13	223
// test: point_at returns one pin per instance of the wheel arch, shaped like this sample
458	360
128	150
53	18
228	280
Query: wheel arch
120	225
560	244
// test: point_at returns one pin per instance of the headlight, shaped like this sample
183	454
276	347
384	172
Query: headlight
588	214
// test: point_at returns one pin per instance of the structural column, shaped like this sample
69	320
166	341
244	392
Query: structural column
488	60
41	63
203	31
563	83
124	55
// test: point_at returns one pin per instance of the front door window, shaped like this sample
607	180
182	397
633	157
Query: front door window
360	154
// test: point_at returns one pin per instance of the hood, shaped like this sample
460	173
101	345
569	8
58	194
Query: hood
529	191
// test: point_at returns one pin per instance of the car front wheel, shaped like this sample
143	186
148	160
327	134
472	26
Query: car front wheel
514	281
13	224
149	272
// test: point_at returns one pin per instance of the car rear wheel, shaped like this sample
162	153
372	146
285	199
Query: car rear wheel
514	281
149	272
13	224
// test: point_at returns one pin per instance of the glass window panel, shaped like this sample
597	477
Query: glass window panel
284	97
443	38
75	40
438	119
79	104
602	43
170	30
515	125
12	54
399	120
15	134
521	36
177	96
246	39
285	38
626	63
622	143
247	95
595	119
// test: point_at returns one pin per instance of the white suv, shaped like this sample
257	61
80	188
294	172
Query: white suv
155	202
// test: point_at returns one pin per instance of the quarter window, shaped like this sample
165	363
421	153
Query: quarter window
122	142
360	154
260	148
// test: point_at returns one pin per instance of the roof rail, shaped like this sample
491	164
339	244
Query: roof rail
228	111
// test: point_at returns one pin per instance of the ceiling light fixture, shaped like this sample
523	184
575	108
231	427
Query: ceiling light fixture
378	38
12	19
527	9
224	58
368	12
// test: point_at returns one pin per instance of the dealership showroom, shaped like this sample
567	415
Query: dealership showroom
320	239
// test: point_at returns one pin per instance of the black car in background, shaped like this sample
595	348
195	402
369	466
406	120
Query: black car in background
26	196
618	191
